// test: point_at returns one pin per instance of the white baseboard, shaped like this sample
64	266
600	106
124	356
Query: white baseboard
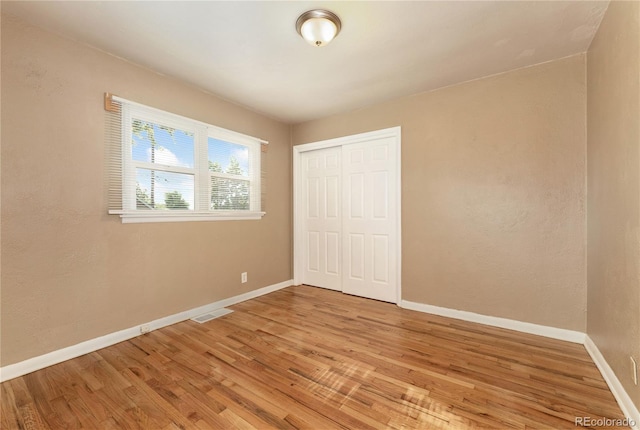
540	330
624	401
36	363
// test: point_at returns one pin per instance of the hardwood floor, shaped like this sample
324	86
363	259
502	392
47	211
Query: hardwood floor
305	357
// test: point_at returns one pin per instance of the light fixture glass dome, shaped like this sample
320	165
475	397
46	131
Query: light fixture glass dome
318	27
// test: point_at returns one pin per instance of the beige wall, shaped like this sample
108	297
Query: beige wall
613	214
493	192
70	272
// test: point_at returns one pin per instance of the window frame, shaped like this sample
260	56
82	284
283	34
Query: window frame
201	174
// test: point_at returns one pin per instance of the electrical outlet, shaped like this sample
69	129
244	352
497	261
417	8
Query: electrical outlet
243	277
144	328
634	370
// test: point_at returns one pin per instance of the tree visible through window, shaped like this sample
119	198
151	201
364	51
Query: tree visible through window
230	187
162	152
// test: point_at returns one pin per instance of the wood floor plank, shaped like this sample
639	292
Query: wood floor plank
86	419
31	414
308	358
8	417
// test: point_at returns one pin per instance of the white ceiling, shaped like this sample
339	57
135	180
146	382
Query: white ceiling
250	53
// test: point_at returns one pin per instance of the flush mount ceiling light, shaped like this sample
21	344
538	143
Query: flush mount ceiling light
318	27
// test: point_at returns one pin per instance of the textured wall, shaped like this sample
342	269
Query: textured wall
613	117
70	272
493	192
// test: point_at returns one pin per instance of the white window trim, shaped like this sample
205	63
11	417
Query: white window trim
200	171
133	217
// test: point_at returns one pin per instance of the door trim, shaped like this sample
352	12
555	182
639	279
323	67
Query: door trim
297	198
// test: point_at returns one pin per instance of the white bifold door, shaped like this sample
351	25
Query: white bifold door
347	210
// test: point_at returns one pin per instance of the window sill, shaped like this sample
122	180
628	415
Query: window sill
129	217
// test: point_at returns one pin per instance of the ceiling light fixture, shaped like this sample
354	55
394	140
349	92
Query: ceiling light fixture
318	27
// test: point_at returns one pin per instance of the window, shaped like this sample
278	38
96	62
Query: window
172	168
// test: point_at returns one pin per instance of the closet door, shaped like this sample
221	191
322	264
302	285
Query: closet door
321	218
369	222
347	214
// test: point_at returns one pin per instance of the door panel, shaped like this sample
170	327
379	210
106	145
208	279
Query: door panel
380	195
313	251
380	258
333	197
369	225
321	221
356	257
333	253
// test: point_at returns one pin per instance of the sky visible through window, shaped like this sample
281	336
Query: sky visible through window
175	148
